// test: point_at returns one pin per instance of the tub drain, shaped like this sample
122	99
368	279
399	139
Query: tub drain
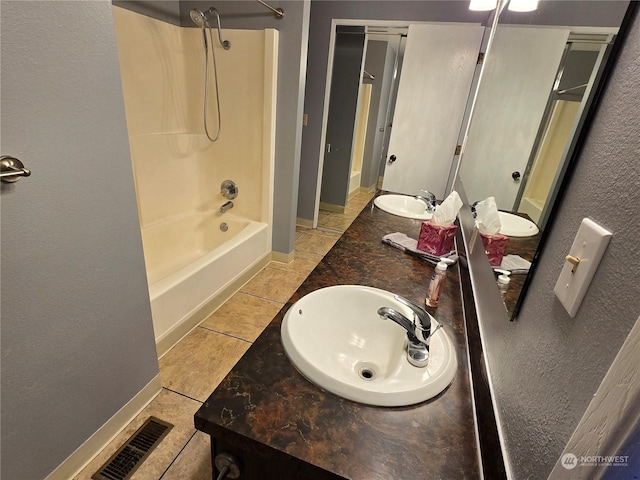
367	374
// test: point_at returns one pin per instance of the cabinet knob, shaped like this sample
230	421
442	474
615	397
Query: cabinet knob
515	176
392	159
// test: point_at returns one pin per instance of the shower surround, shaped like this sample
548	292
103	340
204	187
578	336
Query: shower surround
192	265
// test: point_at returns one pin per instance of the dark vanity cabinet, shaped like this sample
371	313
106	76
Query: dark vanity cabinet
261	462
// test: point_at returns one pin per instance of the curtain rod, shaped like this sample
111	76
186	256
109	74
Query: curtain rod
278	12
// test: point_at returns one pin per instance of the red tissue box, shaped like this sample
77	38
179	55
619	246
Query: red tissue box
436	239
494	246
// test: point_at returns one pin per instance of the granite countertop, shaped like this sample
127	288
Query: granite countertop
265	399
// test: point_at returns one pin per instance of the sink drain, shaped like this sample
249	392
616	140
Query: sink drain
367	374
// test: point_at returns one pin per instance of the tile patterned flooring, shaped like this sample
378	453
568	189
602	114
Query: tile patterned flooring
194	367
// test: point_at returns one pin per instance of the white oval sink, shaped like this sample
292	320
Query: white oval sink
336	339
515	226
403	206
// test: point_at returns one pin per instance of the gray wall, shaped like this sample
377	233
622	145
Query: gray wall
165	10
292	59
546	366
77	336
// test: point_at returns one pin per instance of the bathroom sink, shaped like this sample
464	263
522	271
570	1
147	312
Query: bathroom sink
515	226
336	339
403	206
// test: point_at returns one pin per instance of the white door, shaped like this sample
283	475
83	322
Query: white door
516	82
437	71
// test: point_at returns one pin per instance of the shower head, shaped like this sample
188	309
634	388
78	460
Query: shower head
198	18
201	20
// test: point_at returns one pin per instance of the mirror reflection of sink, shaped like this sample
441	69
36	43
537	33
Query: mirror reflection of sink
516	226
336	339
403	206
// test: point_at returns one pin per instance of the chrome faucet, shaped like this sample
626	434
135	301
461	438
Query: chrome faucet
419	334
226	206
428	198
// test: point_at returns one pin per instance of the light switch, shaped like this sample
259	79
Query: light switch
581	264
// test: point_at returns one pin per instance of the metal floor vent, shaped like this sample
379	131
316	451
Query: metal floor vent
130	456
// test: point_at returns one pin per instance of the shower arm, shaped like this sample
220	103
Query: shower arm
278	12
225	43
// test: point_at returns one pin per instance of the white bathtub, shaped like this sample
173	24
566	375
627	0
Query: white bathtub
190	262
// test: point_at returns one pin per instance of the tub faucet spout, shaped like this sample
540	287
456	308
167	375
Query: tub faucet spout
226	206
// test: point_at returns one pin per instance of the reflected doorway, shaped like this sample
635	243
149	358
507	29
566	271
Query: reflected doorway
579	70
364	75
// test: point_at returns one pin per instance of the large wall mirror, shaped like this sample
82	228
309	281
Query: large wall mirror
542	72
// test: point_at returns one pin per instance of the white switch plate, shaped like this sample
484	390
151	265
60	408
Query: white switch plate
588	246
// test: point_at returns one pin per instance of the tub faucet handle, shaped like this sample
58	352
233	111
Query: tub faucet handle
229	189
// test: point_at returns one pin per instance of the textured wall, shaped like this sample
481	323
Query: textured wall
546	366
609	427
77	337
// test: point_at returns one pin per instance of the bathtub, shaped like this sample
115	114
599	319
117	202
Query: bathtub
193	266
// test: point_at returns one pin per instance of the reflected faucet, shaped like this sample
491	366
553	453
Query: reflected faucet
429	199
419	334
473	208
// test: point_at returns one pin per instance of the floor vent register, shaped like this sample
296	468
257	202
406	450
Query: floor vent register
130	456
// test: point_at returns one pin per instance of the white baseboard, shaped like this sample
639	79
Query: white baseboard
106	433
182	329
331	207
304	222
282	257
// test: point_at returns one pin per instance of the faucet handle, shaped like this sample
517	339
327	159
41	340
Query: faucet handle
229	189
418	311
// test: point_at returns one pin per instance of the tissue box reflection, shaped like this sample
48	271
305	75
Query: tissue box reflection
495	247
436	239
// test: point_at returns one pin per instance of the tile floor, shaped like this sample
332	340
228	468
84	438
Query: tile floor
193	368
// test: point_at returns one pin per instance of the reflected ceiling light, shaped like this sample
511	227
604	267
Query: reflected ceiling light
523	5
482	5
